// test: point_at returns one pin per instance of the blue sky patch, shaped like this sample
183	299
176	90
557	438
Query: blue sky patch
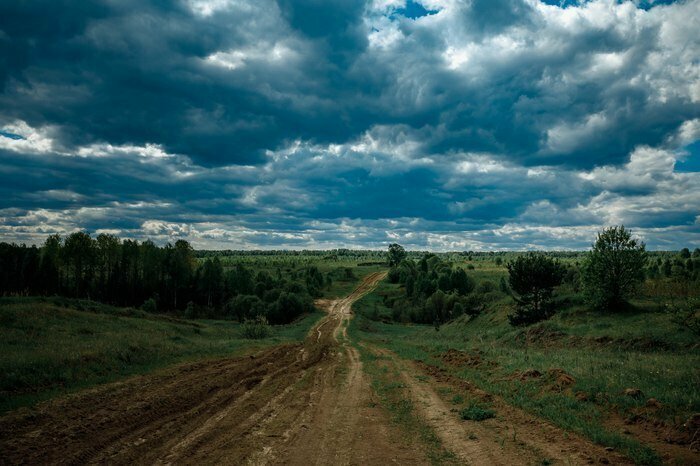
414	10
5	134
691	162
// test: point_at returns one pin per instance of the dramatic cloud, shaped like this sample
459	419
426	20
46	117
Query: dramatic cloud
450	124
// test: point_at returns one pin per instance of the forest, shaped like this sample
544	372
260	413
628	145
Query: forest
159	279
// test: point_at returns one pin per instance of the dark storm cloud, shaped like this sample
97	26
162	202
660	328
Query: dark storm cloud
136	72
443	124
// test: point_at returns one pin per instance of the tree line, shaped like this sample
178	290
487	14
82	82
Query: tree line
609	274
158	279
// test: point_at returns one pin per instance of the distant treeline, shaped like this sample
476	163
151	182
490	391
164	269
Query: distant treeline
325	253
168	278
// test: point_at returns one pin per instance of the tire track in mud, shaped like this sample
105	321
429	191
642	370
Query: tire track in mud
305	403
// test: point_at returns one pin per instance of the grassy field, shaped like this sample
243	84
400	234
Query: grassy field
572	369
50	346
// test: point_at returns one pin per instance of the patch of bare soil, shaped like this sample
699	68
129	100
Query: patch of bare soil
676	443
456	358
511	437
304	403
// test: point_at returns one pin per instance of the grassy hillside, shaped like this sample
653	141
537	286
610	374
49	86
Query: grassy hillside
54	345
573	369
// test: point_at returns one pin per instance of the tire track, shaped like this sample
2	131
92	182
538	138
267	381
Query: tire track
282	404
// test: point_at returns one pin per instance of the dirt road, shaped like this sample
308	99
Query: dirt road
306	403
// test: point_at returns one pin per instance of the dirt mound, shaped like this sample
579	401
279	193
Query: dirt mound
527	374
654	403
636	343
542	335
676	443
556	378
560	379
633	392
442	376
456	358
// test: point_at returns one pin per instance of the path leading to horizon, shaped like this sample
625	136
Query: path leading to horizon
305	403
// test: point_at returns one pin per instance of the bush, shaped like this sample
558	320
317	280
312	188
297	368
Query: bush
245	306
394	275
255	329
686	314
476	412
149	306
288	307
190	311
485	286
474	304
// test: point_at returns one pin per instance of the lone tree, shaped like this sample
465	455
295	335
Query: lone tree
395	254
614	268
533	278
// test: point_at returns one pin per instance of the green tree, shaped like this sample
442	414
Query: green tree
533	278
50	265
614	267
108	251
181	268
211	284
395	254
461	282
79	254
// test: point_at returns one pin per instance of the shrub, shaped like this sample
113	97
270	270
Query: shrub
474	304
686	314
476	412
461	282
393	275
255	329
503	286
485	286
245	306
190	311
149	306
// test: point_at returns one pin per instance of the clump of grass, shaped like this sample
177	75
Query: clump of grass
457	400
476	412
255	329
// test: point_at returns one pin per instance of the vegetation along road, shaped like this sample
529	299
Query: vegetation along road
301	403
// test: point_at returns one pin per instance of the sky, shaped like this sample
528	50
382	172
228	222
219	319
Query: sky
438	124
